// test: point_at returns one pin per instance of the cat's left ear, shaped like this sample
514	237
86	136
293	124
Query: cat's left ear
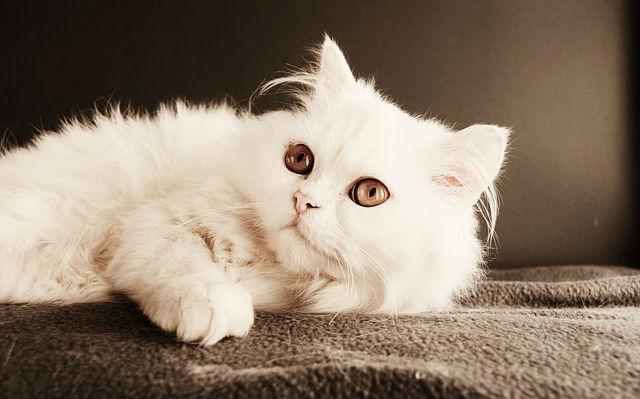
472	161
333	73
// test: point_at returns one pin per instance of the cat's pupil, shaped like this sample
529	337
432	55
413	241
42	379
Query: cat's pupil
372	192
300	157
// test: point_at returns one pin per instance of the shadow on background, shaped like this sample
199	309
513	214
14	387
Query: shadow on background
633	50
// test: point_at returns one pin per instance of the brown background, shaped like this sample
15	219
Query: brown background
558	72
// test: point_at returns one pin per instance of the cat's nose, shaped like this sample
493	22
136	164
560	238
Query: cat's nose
303	202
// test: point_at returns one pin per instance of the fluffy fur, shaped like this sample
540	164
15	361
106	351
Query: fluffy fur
190	211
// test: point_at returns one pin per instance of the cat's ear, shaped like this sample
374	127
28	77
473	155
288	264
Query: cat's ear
472	160
333	73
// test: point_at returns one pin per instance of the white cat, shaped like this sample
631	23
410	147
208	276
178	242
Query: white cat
202	214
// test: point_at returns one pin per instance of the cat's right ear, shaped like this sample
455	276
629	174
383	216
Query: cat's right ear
333	73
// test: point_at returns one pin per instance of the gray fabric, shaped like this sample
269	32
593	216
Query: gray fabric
577	337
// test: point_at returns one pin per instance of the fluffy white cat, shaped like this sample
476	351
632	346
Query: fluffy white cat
201	214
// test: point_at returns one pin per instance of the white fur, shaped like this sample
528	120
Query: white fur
190	211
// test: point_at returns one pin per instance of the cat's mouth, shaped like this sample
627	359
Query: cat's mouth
303	236
294	226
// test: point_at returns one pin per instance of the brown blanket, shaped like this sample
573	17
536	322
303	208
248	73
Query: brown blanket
570	331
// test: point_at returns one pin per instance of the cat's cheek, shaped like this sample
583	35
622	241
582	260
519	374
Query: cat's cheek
278	211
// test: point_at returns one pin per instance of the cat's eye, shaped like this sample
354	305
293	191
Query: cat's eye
299	159
369	192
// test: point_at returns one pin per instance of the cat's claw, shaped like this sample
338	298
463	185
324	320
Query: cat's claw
225	310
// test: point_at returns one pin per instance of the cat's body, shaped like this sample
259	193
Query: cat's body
193	214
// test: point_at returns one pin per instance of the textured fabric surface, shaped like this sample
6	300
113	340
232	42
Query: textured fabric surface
571	331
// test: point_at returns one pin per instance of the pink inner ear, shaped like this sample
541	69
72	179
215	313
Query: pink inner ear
449	181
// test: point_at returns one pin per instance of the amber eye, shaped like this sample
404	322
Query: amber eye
369	192
299	159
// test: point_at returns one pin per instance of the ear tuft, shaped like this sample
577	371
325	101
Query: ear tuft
473	160
333	70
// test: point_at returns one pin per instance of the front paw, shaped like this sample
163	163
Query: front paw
208	313
236	251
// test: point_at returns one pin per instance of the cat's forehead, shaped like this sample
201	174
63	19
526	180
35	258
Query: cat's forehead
357	134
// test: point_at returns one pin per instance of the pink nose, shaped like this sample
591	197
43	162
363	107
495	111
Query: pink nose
303	202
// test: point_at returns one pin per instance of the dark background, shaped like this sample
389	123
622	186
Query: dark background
558	72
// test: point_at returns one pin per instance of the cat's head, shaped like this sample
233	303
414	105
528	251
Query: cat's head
351	189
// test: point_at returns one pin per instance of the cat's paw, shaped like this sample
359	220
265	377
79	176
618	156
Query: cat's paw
223	309
236	251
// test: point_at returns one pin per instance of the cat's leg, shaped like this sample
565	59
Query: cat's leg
169	271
